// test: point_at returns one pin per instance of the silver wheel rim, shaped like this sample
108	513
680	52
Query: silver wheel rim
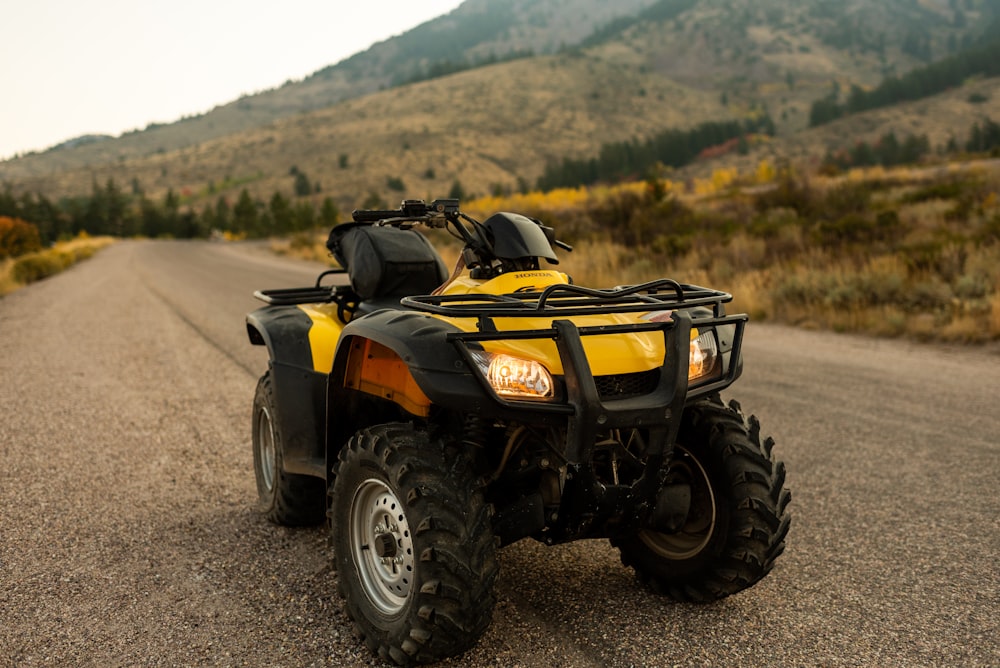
265	448
700	524
381	545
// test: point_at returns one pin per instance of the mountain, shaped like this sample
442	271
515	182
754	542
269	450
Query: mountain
500	88
476	31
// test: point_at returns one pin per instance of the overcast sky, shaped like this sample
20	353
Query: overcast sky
75	67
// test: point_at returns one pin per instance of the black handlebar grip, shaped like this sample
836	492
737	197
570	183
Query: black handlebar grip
373	216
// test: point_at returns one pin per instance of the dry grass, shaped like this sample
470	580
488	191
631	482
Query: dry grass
309	246
17	272
905	252
7	283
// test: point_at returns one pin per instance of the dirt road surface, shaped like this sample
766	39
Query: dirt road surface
128	535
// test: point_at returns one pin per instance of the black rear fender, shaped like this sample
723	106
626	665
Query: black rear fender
299	391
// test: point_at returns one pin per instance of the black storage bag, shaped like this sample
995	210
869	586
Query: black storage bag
384	261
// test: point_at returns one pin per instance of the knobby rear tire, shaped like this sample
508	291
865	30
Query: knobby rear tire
283	498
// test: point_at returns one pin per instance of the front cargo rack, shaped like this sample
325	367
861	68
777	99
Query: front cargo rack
574	300
674	309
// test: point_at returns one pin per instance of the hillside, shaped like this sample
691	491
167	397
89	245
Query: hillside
475	31
597	75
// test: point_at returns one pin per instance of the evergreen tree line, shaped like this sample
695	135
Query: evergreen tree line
983	137
109	210
443	68
983	60
889	151
660	11
629	159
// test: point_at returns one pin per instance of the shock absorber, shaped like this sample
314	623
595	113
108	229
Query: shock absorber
474	431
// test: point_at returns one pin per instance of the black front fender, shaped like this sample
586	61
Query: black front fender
421	342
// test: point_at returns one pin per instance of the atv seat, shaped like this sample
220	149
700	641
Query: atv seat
385	263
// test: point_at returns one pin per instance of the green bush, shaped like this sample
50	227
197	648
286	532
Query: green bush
769	223
950	189
929	295
788	193
972	286
852	227
845	199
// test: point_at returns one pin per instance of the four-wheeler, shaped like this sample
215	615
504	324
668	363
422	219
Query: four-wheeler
431	419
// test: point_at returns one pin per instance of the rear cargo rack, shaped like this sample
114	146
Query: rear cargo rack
292	296
573	300
317	294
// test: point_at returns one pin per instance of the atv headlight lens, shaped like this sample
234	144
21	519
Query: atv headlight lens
514	377
704	355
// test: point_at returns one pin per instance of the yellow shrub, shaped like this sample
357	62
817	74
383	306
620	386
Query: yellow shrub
765	172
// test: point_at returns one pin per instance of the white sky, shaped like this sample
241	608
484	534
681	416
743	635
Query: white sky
75	67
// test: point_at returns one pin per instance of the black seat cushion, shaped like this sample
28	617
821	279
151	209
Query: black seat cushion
385	261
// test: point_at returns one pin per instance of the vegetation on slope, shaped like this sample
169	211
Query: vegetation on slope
951	72
908	252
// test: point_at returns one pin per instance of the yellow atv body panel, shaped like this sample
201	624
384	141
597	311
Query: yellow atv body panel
607	355
612	354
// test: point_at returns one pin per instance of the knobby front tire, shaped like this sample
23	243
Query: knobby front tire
413	544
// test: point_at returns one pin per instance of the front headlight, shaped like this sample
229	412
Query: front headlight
704	355
513	377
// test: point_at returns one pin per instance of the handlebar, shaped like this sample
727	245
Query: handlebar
442	213
374	215
411	209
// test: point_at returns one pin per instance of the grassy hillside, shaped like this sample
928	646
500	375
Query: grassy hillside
486	128
903	252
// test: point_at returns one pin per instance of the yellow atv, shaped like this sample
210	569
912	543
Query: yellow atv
432	419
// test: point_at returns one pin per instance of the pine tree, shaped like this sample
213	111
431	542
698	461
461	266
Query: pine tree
245	214
302	185
457	191
328	213
281	213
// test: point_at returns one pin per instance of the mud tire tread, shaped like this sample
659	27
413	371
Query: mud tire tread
749	484
451	599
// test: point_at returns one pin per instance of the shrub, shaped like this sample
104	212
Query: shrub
852	227
950	189
36	266
788	193
17	237
769	223
989	232
972	286
929	295
845	199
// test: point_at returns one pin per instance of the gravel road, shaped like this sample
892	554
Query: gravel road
128	535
